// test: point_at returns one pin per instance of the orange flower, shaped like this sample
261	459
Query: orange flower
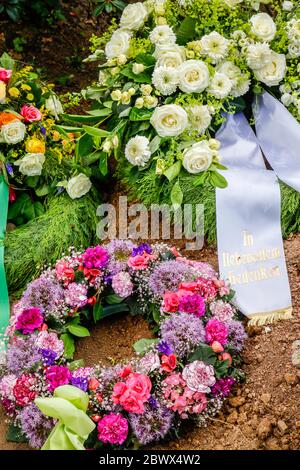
6	118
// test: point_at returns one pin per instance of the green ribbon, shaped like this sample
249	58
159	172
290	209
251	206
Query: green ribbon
69	405
4	299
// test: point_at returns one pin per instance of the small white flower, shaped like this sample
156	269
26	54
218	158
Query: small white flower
150	101
294	50
198	157
199	118
165	80
162	35
134	16
263	26
287	99
287	6
139	103
272	73
54	106
193	76
293	27
169	55
258	55
116	95
241	87
118	44
146	89
231	70
215	46
31	164
122	59
220	86
169	120
138	68
137	150
78	186
13	132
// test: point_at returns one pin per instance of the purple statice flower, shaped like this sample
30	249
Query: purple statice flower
141	249
223	387
80	382
119	251
49	356
122	284
22	354
236	334
107	279
183	332
35	425
76	295
193	304
152	425
44	293
109	374
43	131
164	348
153	402
83	372
167	276
9	168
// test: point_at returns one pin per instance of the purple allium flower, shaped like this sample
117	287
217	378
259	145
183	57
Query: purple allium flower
164	348
236	334
35	425
192	304
96	257
152	425
44	293
141	249
119	251
80	382
223	387
167	276
22	354
9	168
49	356
122	284
182	332
76	295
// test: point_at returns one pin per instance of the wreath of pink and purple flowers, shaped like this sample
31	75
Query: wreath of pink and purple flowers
185	372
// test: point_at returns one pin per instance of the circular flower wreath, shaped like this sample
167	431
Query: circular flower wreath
184	373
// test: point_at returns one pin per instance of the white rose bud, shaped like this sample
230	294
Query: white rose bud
116	95
139	103
159	10
31	164
125	97
54	106
287	6
131	91
122	59
190	54
115	141
214	144
150	102
78	186
114	71
161	20
138	68
146	89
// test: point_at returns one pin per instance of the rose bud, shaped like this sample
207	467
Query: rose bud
216	347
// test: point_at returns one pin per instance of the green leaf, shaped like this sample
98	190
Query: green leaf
14	434
78	330
103	164
154	144
32	181
97	312
82	119
173	171
218	180
38	209
221	368
186	30
239	104
199	180
95	132
76	364
42	190
100	112
203	353
137	114
112	299
7	62
113	309
156	315
69	345
144	344
143	77
16	209
84	146
176	195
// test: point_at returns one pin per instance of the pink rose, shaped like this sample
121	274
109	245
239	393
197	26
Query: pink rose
5	75
132	402
140	261
140	384
118	390
168	363
170	302
30	113
188	286
64	272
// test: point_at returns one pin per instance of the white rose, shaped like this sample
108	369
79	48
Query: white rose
162	35
133	16
263	26
198	157
78	186
137	150
118	44
2	92
294	50
220	86
13	133
199	118
165	80
231	70
169	55
31	164
272	73
169	120
54	106
215	46
193	76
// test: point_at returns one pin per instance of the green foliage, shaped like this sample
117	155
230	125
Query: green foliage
45	10
14	434
204	353
109	6
69	345
143	344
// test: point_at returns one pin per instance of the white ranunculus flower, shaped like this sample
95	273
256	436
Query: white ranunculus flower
220	86
134	16
263	26
31	164
13	133
232	3
258	55
199	118
54	106
215	46
198	157
165	80
231	70
78	186
169	55
272	73
162	35
169	120
118	44
137	150
294	50
241	87
193	76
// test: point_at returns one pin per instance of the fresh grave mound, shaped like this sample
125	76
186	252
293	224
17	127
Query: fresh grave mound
169	71
186	372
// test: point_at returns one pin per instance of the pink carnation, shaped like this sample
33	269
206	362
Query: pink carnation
207	288
112	429
132	402
223	311
96	257
57	376
23	390
199	376
46	340
216	331
193	304
29	320
76	295
223	287
30	113
5	75
64	272
132	394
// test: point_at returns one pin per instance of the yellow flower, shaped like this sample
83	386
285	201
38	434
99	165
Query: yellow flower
14	92
35	145
25	87
2	92
30	97
56	136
